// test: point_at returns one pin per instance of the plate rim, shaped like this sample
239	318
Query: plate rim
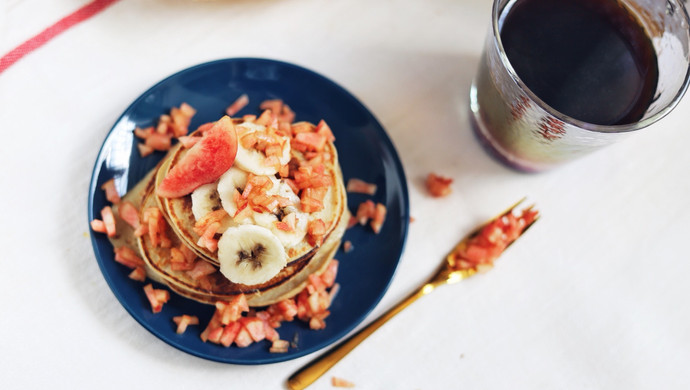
276	358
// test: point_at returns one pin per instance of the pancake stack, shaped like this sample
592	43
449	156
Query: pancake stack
265	252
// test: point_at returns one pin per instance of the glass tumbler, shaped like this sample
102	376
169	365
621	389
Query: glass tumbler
525	133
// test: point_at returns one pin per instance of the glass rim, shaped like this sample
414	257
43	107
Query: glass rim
628	127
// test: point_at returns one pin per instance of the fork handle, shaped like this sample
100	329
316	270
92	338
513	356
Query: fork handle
317	367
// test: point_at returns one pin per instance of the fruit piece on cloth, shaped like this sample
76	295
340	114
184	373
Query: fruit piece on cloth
204	163
340	382
438	186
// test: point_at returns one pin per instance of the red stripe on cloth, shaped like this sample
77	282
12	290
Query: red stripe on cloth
49	33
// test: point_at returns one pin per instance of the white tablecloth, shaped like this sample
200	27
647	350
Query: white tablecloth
594	296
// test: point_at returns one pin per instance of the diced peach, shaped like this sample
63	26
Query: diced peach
213	324
179	125
302	127
275	105
317	303
279	346
312	178
215	334
288	309
141	230
280	225
207	239
311	141
187	110
242	213
232	311
110	191
325	130
144	150
328	276
98	226
347	246
275	150
237	105
162	296
240	301
188	254
178	260
129	214
360	186
309	204
156	297
317	282
339	382
153	217
378	218
265	119
255	327
201	269
365	211
138	274
128	257
270	332
143	133
163	123
109	221
292	184
183	321
316	323
438	186
230	333
243	338
286	114
316	229
159	142
216	216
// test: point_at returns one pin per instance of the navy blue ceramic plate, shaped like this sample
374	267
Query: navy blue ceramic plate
365	152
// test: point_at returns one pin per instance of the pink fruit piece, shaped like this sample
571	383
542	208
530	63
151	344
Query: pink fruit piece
205	162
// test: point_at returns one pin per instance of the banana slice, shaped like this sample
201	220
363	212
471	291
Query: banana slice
234	178
253	160
206	199
269	220
287	238
250	254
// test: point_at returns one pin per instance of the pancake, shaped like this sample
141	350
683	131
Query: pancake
215	287
304	259
179	213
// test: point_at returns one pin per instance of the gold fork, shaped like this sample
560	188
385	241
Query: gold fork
446	274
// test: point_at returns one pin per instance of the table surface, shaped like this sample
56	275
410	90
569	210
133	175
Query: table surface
594	296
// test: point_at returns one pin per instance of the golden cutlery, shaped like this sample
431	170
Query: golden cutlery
454	268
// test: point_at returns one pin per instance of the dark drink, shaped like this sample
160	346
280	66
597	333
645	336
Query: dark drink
588	59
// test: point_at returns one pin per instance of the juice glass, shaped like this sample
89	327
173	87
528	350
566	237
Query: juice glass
518	128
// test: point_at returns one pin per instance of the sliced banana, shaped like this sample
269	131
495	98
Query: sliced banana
205	199
287	238
269	220
250	254
231	180
253	160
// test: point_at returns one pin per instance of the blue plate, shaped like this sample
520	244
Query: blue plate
365	152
